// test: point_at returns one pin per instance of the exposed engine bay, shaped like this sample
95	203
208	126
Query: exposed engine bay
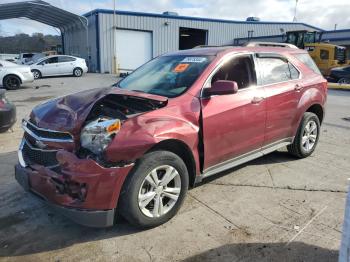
122	107
106	119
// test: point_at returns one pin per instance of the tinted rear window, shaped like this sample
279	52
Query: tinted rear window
307	60
276	70
62	59
27	55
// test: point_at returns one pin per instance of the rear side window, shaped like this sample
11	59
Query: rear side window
62	59
276	70
294	73
307	60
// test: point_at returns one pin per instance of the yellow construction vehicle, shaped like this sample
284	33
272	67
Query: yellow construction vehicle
325	55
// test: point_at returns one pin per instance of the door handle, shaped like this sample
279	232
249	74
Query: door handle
257	100
298	87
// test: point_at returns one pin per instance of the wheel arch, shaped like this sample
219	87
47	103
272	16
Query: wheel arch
182	150
12	74
317	109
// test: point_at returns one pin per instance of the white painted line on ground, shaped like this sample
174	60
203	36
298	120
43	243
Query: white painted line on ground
307	224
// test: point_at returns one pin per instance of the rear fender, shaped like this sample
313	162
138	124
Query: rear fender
311	96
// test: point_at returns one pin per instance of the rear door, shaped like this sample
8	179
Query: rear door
66	64
282	85
233	124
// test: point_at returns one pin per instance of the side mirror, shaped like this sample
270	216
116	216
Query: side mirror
223	87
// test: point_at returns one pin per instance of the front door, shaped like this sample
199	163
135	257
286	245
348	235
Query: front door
233	124
50	66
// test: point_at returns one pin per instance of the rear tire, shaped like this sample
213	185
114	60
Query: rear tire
12	82
148	199
36	74
307	136
78	72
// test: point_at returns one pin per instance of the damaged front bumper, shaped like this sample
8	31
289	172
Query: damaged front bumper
80	189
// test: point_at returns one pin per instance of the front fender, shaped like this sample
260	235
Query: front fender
140	134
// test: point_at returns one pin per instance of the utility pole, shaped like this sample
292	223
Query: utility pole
295	11
114	46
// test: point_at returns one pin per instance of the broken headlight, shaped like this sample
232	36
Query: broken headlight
97	134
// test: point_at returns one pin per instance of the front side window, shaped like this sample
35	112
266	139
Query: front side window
276	70
168	76
239	69
52	60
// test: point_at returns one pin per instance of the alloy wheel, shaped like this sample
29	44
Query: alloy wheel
309	138
159	191
78	72
36	74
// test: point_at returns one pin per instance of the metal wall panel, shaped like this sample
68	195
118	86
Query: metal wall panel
165	33
78	43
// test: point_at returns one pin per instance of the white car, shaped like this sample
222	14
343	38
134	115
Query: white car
24	57
59	65
13	75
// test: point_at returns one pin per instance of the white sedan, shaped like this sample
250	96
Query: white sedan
59	65
13	75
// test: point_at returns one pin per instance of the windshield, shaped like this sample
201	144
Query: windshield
168	76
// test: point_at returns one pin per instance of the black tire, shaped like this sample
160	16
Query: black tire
4	129
36	74
297	149
12	82
129	199
344	80
78	72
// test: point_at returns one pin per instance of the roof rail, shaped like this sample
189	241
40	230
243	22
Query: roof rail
269	44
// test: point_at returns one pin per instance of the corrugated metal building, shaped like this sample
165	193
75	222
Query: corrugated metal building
142	36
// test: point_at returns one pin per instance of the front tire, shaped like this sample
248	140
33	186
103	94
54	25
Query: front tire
12	82
155	190
36	74
78	72
306	139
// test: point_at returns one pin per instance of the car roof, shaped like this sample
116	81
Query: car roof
222	50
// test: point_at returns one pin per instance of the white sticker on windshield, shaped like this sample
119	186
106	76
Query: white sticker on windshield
194	59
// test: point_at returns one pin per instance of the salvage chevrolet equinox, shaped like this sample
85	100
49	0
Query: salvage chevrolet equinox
135	148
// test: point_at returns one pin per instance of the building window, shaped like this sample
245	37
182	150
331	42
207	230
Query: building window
324	54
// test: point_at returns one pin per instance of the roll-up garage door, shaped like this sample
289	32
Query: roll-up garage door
134	48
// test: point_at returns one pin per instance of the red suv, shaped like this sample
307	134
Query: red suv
138	146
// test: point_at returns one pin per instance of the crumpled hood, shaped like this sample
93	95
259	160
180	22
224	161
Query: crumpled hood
68	113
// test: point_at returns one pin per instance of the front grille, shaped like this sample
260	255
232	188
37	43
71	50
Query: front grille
33	155
48	134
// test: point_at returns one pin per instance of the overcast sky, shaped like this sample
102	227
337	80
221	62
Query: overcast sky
320	13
